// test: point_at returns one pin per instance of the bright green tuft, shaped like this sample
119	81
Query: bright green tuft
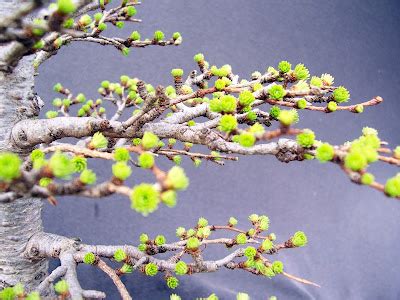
325	152
87	177
146	160
341	94
144	198
120	255
89	258
151	269
181	268
149	140
277	92
299	239
284	66
121	170
306	138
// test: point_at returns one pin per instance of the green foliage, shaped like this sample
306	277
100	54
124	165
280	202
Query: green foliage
9	166
151	269
177	178
177	72
301	72
180	231
175	297
131	11
68	23
126	269
61	166
65	6
221	72
160	240
250	252
247	139
396	152
277	267
220	84
274	112
45	181
316	81
299	239
181	268
192	243
367	178
227	123
341	94
87	177
121	170
172	282
355	161
33	296
277	92
120	255
121	154
284	66
169	198
7	294
51	114
176	35
143	238
149	140
89	258
144	198
202	222
301	104
98	141
332	106
392	186
61	287
135	36
146	160
125	51
242	296
199	57
85	20
158	36
359	108
241	238
325	152
232	221
287	117
246	98
263	223
267	245
306	138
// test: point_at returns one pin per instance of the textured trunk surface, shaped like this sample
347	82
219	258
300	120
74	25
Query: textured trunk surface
20	219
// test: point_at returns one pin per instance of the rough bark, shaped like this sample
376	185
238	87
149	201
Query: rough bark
19	219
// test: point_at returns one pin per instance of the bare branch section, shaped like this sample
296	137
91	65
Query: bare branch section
252	255
58	25
231	118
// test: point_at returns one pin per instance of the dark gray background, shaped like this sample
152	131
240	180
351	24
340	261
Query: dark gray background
354	250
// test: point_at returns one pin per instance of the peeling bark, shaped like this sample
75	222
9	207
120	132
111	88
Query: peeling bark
20	219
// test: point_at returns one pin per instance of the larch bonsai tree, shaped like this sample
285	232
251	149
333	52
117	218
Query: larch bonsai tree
211	107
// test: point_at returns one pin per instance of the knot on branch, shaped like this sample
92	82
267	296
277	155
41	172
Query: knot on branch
99	125
43	245
289	150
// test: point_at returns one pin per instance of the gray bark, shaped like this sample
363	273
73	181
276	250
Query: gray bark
20	219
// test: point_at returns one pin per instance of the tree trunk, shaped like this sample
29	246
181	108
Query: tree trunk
19	219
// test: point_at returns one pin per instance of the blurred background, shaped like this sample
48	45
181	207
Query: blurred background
353	231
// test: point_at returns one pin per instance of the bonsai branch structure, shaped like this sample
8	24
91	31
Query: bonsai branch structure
212	108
